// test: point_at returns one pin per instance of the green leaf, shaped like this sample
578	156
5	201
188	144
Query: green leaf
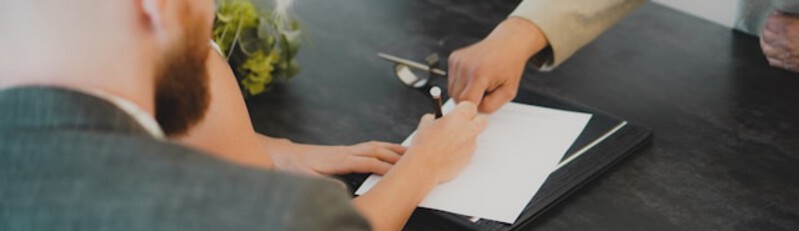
263	49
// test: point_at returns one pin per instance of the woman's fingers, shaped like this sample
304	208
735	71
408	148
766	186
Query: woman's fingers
369	165
386	155
480	122
387	152
427	120
396	148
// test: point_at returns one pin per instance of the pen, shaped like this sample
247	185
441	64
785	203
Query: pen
411	64
435	93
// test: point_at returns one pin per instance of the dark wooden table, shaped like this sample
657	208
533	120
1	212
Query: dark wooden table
726	149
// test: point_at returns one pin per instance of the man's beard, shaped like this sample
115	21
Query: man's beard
182	92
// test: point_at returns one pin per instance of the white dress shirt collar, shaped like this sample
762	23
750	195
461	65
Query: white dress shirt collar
143	118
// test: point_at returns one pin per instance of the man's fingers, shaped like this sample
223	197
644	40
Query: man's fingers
793	68
496	99
770	37
775	63
474	90
453	73
767	49
461	80
779	41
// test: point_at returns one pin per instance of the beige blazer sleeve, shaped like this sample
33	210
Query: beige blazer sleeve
570	24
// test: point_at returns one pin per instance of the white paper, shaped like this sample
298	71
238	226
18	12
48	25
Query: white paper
516	153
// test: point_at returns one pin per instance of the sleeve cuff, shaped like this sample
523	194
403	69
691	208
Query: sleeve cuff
547	21
570	25
787	6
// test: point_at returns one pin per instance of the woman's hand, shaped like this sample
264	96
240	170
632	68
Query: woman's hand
439	150
314	160
445	146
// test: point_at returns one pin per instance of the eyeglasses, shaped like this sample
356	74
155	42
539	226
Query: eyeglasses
403	69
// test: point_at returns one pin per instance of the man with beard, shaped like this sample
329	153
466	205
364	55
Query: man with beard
81	85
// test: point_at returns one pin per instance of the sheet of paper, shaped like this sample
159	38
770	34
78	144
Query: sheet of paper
516	153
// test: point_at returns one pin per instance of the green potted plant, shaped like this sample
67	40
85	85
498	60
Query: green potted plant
259	43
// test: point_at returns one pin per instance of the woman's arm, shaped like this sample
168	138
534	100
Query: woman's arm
439	150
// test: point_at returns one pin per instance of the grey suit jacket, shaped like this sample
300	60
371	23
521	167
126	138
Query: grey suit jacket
70	161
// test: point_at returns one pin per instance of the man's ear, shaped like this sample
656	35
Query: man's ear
154	13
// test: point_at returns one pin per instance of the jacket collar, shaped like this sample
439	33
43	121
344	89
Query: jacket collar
49	108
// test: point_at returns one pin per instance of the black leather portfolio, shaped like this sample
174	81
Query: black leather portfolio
604	142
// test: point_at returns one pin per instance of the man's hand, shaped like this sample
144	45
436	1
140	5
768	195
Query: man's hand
445	146
314	160
780	41
488	73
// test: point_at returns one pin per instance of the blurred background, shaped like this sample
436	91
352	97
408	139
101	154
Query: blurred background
718	11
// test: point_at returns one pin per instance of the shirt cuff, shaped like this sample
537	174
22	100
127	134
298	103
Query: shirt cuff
545	15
